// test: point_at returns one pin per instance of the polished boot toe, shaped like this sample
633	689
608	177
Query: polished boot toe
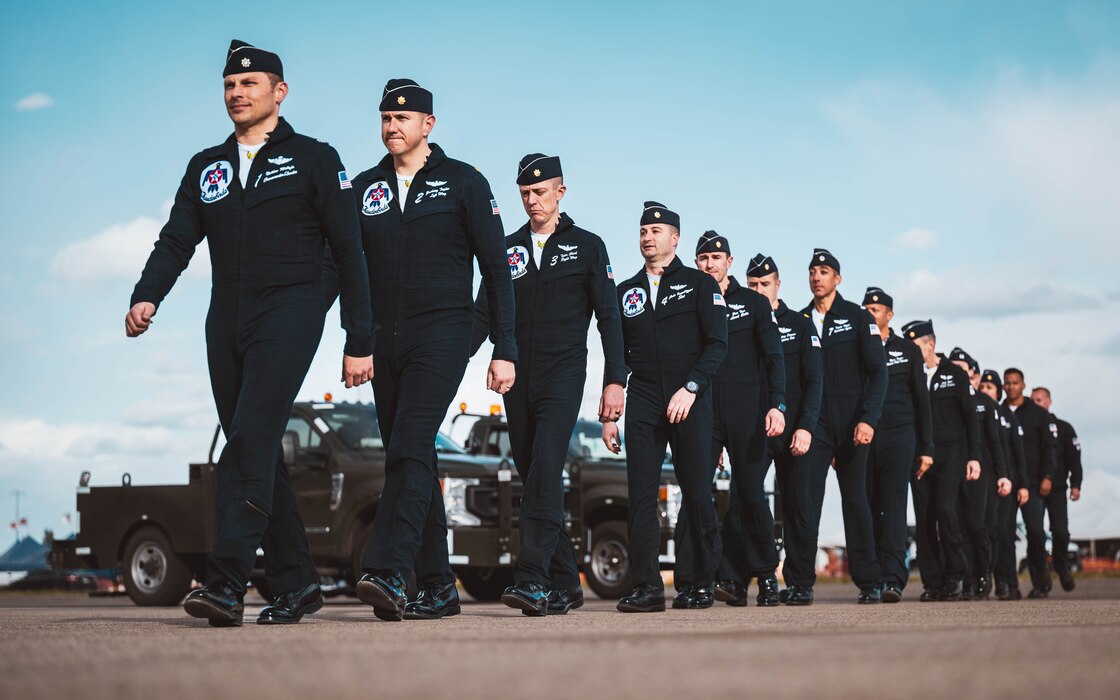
800	595
530	597
731	592
1038	593
220	603
783	597
433	602
1066	579
681	599
643	599
869	595
930	595
891	594
386	593
952	591
289	608
562	600
699	598
983	588
768	595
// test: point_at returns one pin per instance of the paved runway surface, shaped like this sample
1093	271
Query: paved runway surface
1064	648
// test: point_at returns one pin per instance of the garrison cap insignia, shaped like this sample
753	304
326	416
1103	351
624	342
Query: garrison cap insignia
537	172
719	244
241	56
245	63
537	167
911	334
657	215
401	100
821	258
398	91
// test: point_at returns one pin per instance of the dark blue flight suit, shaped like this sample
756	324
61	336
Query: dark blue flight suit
421	271
855	384
1007	518
683	339
976	495
1067	475
266	316
554	305
905	432
754	364
1040	449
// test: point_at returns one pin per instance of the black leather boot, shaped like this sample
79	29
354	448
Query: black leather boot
731	592
386	592
561	600
869	595
220	602
289	608
433	602
645	598
530	597
800	595
768	595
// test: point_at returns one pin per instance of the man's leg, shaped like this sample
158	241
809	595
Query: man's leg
691	443
893	463
974	509
685	562
646	438
287	556
948	477
851	472
807	477
1007	568
1036	542
1057	508
747	450
929	553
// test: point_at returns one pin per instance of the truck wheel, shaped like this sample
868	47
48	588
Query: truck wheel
486	584
153	573
608	573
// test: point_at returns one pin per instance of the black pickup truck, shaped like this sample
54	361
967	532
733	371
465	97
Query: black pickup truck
158	536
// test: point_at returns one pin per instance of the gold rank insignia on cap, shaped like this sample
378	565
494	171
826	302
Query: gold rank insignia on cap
245	63
401	100
875	298
537	172
657	215
821	258
766	266
911	334
719	244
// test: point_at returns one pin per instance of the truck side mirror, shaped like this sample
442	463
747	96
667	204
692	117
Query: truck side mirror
289	443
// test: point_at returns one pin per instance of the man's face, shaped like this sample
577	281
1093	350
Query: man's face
715	264
767	286
928	345
658	241
1013	386
250	98
541	200
1040	397
990	389
403	131
823	280
882	314
973	377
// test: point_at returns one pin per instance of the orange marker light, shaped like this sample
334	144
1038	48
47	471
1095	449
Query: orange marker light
495	409
327	396
463	407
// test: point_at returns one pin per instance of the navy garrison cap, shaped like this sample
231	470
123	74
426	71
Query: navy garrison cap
875	295
712	242
823	257
917	329
537	167
761	265
658	213
405	95
992	377
246	58
959	355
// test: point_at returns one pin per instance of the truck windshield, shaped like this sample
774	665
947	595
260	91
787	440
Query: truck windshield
356	426
587	438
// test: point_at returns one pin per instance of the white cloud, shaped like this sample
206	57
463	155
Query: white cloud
916	239
38	100
965	292
118	253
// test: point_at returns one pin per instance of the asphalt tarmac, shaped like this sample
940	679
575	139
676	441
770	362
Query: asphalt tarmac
1065	647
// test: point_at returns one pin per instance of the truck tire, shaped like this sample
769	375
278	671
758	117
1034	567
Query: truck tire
608	572
153	573
486	584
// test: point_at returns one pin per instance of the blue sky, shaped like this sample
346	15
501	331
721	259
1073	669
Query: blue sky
964	158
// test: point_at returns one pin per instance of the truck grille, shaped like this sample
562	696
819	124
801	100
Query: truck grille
482	501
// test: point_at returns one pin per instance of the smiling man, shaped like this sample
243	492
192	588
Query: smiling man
557	287
265	185
674	326
425	220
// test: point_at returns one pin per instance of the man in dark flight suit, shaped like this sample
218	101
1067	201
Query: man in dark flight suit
903	444
993	483
266	219
1040	446
751	377
561	275
956	458
674	326
801	351
855	384
425	219
1068	472
1004	522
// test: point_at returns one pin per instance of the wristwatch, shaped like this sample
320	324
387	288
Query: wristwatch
692	387
781	407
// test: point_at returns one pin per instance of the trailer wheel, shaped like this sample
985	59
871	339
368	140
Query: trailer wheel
486	584
608	573
153	573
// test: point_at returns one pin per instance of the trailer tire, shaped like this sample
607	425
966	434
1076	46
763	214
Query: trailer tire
153	573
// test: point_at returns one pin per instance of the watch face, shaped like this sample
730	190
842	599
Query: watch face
692	387
782	407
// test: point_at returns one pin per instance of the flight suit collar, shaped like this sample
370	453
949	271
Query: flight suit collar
782	308
732	286
436	157
282	131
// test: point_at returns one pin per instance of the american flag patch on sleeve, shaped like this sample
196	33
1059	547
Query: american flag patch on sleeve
343	181
494	207
717	300
610	273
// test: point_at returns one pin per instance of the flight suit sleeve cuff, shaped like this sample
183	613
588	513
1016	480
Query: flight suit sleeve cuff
358	346
614	377
506	350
